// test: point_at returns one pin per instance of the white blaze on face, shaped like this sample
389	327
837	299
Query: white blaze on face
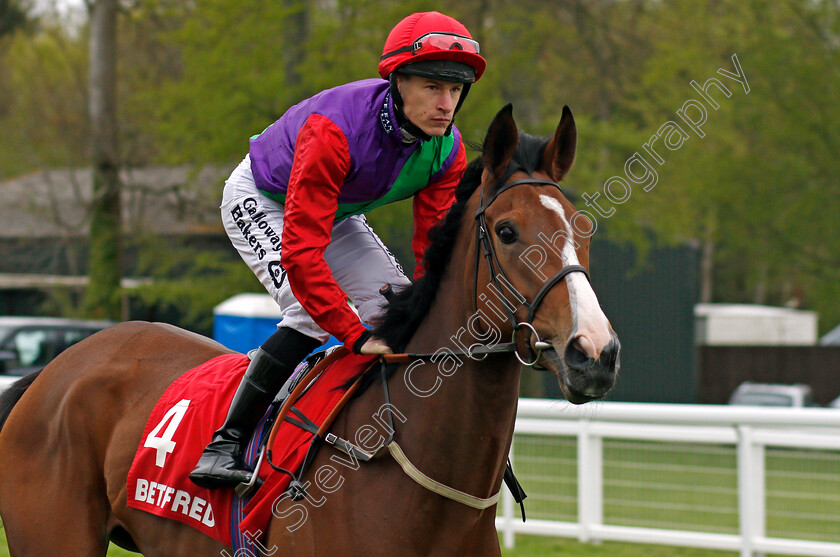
589	323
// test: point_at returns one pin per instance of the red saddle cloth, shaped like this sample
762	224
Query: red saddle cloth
183	422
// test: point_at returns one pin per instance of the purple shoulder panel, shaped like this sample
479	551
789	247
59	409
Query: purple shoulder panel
354	108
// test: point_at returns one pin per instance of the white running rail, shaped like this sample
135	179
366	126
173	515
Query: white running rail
748	429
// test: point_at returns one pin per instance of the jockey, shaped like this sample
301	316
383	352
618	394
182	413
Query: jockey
302	192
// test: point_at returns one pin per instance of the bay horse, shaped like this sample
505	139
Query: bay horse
510	260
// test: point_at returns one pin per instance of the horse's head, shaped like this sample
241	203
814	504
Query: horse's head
534	248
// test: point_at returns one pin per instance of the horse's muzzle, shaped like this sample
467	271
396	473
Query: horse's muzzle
586	378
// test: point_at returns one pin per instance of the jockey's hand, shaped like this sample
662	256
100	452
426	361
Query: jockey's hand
375	346
368	344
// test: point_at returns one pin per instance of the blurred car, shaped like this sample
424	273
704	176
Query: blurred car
773	394
29	343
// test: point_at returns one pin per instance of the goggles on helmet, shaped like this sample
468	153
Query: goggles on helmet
431	42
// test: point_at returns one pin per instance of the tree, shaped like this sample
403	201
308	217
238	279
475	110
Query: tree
12	16
758	193
102	298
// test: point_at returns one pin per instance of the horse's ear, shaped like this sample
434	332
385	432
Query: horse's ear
560	152
500	142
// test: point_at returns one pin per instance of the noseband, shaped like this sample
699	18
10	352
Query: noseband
495	268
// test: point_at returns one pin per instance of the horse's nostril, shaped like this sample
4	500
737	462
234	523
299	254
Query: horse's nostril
610	354
575	357
578	355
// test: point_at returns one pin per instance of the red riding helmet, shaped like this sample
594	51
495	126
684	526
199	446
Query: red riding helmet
432	45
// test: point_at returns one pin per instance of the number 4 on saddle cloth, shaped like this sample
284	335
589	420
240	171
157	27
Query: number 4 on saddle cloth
194	406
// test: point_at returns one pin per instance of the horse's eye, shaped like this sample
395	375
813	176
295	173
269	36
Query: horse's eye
506	233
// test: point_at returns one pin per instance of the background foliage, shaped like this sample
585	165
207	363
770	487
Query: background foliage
759	194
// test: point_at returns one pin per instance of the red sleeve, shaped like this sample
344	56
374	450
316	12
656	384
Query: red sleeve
321	162
432	203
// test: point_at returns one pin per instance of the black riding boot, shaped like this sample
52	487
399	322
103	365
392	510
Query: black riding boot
221	462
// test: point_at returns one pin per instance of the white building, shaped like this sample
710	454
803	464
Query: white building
746	324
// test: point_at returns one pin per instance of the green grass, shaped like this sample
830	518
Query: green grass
534	546
645	484
803	494
115	551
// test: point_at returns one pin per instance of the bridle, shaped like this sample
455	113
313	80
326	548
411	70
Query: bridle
496	273
495	268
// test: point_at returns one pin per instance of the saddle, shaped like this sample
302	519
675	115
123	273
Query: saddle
283	409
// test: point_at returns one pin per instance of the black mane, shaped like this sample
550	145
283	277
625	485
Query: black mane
408	307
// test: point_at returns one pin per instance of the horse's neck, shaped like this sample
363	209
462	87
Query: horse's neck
465	419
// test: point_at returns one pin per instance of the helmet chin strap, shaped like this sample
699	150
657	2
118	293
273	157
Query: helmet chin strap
465	90
407	126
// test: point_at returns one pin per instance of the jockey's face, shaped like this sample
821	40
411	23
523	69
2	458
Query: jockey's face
429	103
